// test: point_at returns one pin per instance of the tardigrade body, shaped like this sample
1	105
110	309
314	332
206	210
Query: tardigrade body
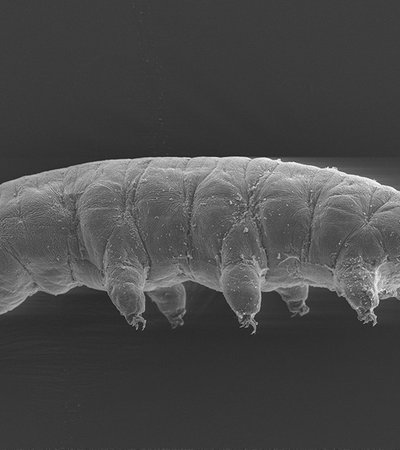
237	225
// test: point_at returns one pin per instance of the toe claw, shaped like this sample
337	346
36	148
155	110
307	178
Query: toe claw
301	311
367	316
176	320
136	321
305	310
247	320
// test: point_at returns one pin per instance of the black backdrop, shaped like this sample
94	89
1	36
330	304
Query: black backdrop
91	80
88	80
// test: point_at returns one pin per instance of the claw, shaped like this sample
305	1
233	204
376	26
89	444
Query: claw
305	310
136	321
366	316
302	311
176	319
246	320
178	322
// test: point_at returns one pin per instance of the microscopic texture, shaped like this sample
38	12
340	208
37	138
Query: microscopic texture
237	225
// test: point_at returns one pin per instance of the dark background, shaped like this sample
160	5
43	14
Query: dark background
311	81
90	80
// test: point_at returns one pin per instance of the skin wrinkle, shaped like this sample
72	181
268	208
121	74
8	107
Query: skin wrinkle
189	206
385	203
80	231
253	207
18	190
76	225
358	228
248	193
127	204
235	224
69	256
381	242
116	225
264	178
31	275
219	163
312	216
60	197
369	215
125	193
345	240
106	243
190	211
139	179
105	186
131	196
228	232
349	196
4	219
245	183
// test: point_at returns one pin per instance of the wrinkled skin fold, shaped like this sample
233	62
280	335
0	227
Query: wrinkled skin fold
237	225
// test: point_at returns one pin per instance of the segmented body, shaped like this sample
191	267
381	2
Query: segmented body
238	225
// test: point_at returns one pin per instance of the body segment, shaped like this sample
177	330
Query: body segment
237	225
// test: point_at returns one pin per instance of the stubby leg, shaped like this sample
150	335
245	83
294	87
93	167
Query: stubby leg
124	280
243	261
295	298
125	288
171	301
241	286
357	285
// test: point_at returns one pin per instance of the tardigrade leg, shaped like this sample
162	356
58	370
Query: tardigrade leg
295	298
243	262
125	278
171	301
125	288
241	286
357	285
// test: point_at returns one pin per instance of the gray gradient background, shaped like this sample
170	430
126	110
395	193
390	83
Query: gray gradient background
313	81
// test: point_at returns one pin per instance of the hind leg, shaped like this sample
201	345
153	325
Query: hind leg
171	301
295	298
